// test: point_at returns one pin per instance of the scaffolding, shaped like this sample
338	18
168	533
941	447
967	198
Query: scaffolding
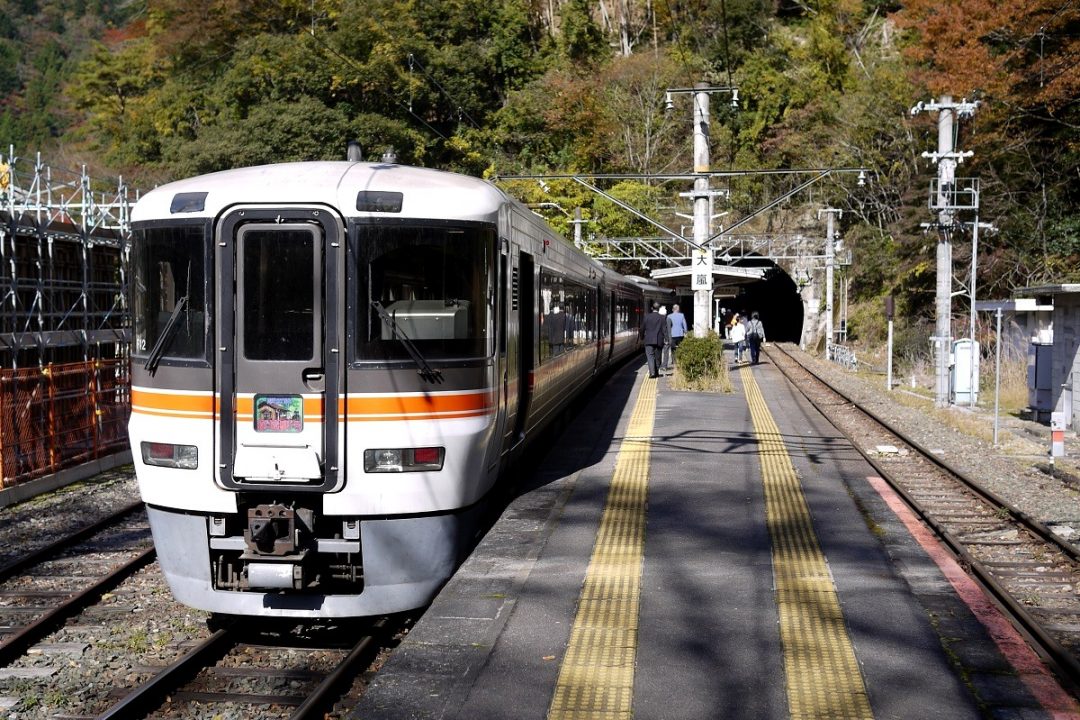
64	320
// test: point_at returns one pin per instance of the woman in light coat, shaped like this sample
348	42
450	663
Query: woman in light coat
738	336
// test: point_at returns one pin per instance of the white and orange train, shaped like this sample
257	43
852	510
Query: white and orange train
334	362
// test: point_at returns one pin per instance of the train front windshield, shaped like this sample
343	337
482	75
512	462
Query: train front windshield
170	293
433	284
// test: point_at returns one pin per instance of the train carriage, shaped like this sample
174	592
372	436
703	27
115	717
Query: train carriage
333	362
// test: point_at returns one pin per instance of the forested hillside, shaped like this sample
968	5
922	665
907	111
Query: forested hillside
166	88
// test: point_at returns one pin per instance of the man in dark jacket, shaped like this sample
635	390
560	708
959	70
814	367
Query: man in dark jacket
653	331
755	336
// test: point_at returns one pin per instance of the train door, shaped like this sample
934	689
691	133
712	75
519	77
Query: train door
613	311
524	299
602	337
277	356
506	357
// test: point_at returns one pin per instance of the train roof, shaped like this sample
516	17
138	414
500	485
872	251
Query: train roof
424	193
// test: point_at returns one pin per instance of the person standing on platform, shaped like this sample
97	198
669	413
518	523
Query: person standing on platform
737	335
653	330
665	356
677	323
755	336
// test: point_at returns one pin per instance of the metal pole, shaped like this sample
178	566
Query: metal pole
830	262
943	304
702	221
974	267
888	371
997	376
974	264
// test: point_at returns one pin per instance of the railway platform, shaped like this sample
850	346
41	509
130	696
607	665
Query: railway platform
700	555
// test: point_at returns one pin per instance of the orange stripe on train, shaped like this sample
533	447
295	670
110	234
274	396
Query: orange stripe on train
362	408
172	403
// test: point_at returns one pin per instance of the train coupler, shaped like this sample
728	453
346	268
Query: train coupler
274	529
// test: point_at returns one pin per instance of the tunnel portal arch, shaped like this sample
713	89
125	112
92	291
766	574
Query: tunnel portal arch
776	298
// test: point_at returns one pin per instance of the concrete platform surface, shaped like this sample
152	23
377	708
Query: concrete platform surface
766	560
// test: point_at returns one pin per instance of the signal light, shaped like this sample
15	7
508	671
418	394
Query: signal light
404	459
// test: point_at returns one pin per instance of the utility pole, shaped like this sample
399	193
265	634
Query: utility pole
577	222
943	298
702	278
944	202
830	266
701	269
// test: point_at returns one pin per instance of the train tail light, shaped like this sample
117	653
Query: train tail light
185	457
404	459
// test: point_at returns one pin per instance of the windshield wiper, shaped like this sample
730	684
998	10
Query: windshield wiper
166	337
425	371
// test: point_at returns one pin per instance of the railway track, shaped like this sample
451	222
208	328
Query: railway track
42	589
1032	573
243	672
73	595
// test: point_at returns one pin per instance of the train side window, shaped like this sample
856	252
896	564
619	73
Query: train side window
567	314
169	266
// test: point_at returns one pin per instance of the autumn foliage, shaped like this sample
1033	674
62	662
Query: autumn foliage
165	88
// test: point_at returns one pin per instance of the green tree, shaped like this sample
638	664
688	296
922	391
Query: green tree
581	40
110	88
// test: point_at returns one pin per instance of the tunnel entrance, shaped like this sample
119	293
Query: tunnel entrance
775	298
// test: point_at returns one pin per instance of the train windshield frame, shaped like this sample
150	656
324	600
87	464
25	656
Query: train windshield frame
169	300
435	281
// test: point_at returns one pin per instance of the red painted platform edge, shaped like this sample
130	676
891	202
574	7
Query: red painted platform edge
1031	670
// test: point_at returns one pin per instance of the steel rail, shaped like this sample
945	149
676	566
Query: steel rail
315	705
21	563
1066	665
144	699
986	494
16	644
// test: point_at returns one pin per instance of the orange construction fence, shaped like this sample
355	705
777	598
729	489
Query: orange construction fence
62	415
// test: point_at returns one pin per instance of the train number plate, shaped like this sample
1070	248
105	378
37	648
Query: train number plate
279	413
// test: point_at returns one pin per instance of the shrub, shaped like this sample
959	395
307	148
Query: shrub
699	364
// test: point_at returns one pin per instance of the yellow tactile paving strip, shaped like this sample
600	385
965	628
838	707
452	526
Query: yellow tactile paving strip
823	678
596	678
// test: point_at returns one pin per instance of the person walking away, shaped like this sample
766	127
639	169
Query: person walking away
755	336
677	321
737	335
665	357
732	322
653	333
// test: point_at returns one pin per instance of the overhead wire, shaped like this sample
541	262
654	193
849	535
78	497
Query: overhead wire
394	101
727	54
444	91
730	81
412	61
676	36
390	98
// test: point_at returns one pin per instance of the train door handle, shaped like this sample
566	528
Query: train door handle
314	378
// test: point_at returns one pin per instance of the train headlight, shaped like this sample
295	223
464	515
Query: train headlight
185	457
404	459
